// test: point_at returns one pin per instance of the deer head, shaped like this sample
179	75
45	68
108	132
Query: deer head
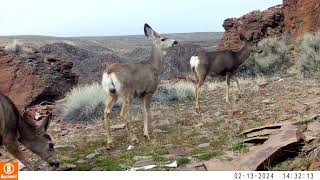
158	41
39	142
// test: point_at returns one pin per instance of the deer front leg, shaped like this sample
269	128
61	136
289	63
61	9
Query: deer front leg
228	86
146	102
14	150
110	101
238	85
124	117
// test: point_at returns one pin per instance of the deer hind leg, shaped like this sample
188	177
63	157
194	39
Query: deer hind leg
228	86
238	85
110	101
199	82
124	117
14	149
146	103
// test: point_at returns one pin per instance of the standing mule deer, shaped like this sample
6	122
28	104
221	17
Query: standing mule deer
223	63
14	129
135	80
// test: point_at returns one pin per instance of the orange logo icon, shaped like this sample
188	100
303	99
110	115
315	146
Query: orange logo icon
9	170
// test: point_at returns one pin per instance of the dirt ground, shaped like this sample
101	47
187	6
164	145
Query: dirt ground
180	134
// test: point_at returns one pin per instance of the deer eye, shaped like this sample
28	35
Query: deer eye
163	39
51	145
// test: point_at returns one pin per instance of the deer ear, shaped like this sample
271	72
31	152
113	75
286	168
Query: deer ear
149	32
45	124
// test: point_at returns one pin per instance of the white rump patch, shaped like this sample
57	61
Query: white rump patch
110	82
194	62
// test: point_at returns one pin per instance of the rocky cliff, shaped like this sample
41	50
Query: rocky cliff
293	18
30	78
301	16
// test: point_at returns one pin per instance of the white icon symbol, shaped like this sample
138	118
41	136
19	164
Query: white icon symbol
8	168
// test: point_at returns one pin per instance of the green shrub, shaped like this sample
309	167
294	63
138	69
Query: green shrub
309	60
84	103
273	57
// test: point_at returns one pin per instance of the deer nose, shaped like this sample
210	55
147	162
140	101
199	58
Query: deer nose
175	42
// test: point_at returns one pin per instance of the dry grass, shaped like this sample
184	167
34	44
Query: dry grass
273	58
15	46
309	61
84	103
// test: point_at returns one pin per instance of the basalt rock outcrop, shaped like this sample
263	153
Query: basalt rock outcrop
31	78
301	16
88	65
290	20
255	25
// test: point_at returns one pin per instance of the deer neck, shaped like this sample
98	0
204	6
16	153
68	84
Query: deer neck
156	57
244	53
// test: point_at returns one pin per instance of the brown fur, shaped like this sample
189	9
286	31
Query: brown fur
137	80
14	129
223	63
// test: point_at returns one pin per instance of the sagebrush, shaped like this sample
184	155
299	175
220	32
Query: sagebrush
309	59
181	90
15	46
272	57
84	103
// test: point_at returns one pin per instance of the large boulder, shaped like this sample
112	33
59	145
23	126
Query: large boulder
255	25
177	60
30	78
301	16
88	65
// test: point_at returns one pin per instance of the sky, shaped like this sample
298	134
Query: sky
120	17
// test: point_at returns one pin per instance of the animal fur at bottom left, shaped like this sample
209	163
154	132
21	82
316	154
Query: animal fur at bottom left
15	129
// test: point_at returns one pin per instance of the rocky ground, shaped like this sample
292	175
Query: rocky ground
179	134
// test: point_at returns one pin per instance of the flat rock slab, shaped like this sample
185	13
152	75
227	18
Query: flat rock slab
118	126
275	147
312	102
270	126
217	165
314	128
177	151
262	132
143	163
256	140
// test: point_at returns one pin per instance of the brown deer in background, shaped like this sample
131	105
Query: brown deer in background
14	129
223	63
135	80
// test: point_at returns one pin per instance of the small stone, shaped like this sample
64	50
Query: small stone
140	158
118	126
70	166
177	151
163	122
143	163
267	101
81	161
168	146
159	131
219	113
100	150
91	156
199	125
204	145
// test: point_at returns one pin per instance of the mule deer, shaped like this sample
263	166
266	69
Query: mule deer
135	80
222	63
14	129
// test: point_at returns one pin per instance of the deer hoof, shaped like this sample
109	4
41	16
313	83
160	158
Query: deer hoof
109	146
147	136
134	139
198	110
